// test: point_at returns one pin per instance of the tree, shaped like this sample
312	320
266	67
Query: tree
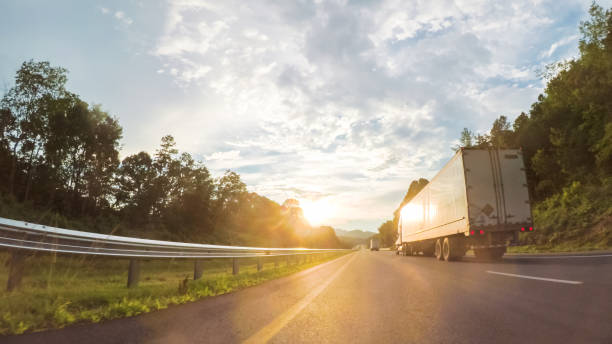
387	233
466	138
192	203
596	30
102	156
7	124
134	186
500	135
230	191
60	135
465	141
35	84
167	173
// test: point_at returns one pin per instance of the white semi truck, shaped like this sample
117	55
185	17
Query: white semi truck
479	200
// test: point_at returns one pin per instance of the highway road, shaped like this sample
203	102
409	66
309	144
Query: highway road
379	297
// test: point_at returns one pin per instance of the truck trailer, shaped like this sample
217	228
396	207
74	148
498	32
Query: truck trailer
479	201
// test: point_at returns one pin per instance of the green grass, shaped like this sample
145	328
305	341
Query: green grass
559	248
62	290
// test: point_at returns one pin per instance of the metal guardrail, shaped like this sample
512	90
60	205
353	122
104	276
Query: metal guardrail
20	237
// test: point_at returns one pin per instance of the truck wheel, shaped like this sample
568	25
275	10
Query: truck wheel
438	250
446	250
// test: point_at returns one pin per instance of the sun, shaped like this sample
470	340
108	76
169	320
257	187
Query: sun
317	212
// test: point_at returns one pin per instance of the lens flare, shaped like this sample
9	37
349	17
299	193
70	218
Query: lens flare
317	212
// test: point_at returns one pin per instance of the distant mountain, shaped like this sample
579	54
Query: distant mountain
355	233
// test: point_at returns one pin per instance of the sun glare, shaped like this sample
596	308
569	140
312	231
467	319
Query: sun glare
317	212
412	213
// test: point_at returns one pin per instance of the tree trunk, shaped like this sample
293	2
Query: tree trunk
28	184
51	201
31	170
84	203
13	170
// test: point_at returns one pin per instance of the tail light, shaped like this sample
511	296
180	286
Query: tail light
481	232
472	232
522	229
531	229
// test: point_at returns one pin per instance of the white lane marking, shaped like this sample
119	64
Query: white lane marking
270	330
536	278
557	257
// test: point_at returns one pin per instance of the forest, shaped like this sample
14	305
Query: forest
60	165
566	139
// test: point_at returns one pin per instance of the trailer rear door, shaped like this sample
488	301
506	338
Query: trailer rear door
514	182
496	188
483	203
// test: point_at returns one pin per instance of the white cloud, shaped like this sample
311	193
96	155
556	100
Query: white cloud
121	16
342	99
559	43
118	15
229	155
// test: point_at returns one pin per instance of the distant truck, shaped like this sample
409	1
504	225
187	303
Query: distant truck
374	244
479	201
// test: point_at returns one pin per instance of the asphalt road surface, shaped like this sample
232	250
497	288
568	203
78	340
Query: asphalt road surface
378	297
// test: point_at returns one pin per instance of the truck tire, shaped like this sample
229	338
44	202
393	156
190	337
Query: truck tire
438	250
453	248
447	254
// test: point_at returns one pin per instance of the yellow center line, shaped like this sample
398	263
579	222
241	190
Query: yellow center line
270	330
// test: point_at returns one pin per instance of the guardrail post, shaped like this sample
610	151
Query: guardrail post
235	266
16	268
197	269
259	265
133	273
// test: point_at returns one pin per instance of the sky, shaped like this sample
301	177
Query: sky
340	104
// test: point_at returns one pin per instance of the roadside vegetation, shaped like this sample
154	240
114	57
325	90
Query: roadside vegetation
566	139
61	290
